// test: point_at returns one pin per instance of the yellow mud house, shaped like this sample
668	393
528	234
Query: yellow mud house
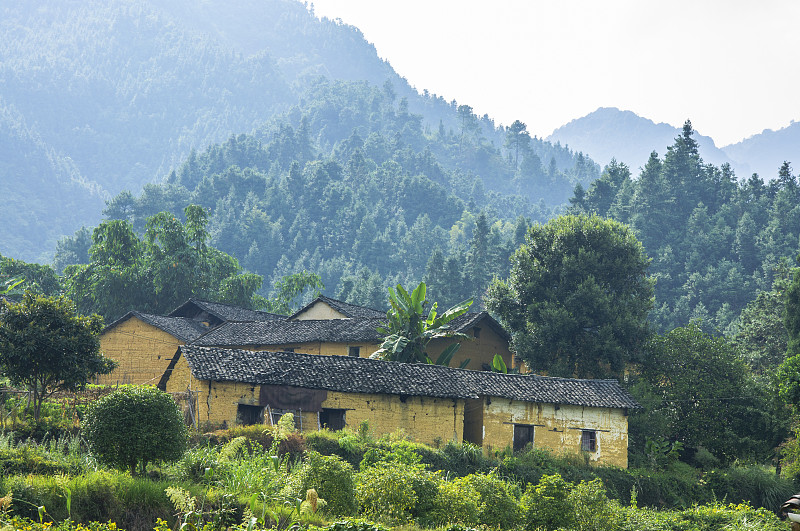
330	327
245	366
143	344
429	402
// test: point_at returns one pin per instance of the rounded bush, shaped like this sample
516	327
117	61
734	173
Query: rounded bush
456	503
498	505
332	478
546	505
135	425
386	492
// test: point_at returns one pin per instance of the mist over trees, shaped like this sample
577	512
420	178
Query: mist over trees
370	198
101	97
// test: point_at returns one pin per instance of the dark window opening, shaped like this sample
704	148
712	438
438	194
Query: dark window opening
477	331
248	415
523	435
354	352
333	419
588	441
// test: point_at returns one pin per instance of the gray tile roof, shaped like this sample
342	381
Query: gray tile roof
352	311
362	375
226	312
463	323
179	327
352	330
290	332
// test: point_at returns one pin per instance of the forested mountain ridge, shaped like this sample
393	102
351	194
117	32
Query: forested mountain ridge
353	186
715	240
120	92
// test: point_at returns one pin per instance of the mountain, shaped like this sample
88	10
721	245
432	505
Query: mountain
108	96
610	133
766	151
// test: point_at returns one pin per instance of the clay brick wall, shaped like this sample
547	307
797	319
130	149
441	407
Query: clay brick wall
558	428
141	351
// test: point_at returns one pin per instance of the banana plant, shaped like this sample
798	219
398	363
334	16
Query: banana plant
410	327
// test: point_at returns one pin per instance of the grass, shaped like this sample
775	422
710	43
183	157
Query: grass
243	475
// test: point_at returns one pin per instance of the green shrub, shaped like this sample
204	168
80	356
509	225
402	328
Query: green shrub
464	458
592	508
498	500
133	503
731	517
386	492
356	525
193	464
135	425
28	461
290	442
402	453
324	442
754	484
331	477
546	505
19	522
456	503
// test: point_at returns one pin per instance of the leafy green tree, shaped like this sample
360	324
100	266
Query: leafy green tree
38	278
116	280
289	288
577	298
603	191
365	288
760	331
518	139
705	397
789	371
133	426
46	346
478	267
73	250
172	263
411	326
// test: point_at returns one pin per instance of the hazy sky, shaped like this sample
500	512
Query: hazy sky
731	66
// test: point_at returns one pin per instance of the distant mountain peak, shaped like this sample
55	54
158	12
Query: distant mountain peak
611	133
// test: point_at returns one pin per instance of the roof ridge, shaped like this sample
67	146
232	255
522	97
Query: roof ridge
315	371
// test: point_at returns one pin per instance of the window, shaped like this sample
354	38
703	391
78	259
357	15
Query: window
354	352
333	419
588	441
247	415
476	332
523	435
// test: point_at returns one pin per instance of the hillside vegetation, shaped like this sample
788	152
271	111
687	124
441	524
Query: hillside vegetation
101	97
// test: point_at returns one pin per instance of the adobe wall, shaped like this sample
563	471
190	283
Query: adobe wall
317	347
423	419
478	350
557	428
141	351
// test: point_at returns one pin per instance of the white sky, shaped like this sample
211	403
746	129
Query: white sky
731	66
